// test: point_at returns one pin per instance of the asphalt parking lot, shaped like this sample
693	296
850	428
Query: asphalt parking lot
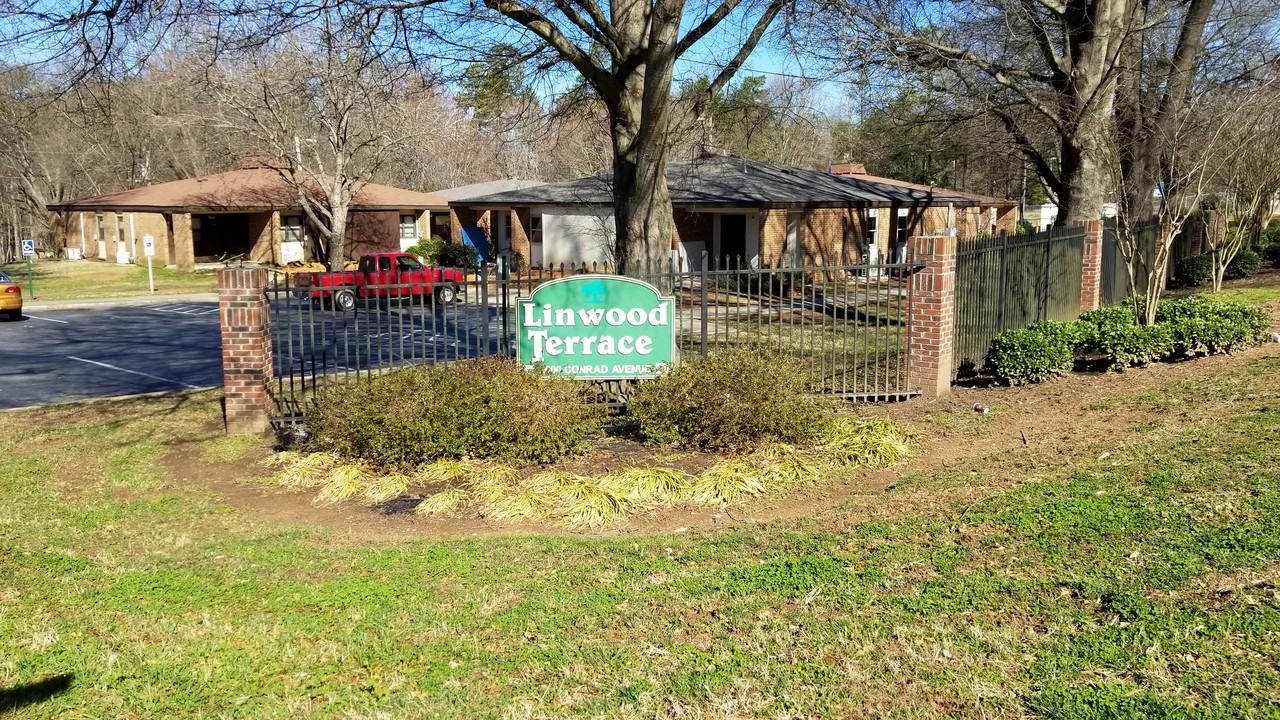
53	356
57	356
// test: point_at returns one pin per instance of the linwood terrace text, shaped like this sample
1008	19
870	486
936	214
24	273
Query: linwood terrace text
595	344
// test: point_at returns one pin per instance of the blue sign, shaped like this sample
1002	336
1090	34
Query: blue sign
28	248
474	237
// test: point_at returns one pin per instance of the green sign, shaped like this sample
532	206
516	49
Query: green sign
597	327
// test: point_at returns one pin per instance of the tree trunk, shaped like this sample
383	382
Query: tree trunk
337	238
1083	179
642	204
639	120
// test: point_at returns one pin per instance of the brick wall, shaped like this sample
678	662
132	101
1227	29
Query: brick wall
246	350
932	321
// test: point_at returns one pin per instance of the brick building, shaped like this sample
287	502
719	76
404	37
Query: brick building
252	212
731	208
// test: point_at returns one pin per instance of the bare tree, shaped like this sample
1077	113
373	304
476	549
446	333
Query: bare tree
319	105
1252	177
1046	70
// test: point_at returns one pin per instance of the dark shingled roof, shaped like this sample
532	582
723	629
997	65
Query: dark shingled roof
720	181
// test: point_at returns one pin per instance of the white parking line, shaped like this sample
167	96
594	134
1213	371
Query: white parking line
33	317
133	372
184	309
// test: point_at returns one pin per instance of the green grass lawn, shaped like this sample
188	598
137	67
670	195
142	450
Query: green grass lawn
70	280
1130	576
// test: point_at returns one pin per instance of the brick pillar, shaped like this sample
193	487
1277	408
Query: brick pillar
930	338
247	403
1091	271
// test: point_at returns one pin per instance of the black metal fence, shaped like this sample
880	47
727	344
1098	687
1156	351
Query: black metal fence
1115	271
847	323
1010	281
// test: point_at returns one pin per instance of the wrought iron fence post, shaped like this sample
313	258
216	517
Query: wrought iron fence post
704	303
504	278
1046	289
1001	300
484	306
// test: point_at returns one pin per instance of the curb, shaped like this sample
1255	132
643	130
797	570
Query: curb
113	398
126	301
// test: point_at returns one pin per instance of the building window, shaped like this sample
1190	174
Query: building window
440	226
535	229
873	226
120	228
291	228
993	220
102	228
902	228
409	228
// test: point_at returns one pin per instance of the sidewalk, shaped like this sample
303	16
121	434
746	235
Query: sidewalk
125	301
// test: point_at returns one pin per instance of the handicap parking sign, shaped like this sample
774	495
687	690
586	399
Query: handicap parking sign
28	248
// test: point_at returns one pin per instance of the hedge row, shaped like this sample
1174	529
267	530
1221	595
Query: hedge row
1186	327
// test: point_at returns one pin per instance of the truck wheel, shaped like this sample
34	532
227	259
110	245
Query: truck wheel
344	300
447	294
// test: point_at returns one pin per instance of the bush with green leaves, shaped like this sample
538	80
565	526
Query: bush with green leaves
1203	326
1019	357
1134	345
457	255
482	408
1194	271
1115	334
1272	253
1271	234
427	249
737	399
1074	334
1246	263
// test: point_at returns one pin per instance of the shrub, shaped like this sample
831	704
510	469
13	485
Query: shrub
1203	326
484	408
1107	318
1134	345
1073	334
1115	334
427	249
732	400
1245	264
1271	234
456	255
1194	271
1272	253
1018	357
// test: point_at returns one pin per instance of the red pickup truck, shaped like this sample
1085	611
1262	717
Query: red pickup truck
382	275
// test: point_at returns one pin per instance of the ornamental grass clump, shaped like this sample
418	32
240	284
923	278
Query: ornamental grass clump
483	408
733	400
876	443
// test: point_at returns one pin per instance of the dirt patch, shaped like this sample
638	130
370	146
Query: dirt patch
1046	428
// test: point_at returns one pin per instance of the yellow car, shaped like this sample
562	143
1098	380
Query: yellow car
10	298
